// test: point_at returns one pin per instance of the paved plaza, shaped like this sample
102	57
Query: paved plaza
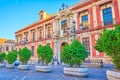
56	74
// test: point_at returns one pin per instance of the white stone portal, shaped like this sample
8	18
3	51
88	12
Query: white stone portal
63	30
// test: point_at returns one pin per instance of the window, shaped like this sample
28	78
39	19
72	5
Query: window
40	34
26	36
48	32
64	25
33	36
20	38
41	16
17	39
86	43
84	22
0	48
107	16
32	50
7	48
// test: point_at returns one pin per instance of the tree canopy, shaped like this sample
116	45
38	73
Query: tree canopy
109	43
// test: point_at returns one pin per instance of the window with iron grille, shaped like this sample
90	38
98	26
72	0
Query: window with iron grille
86	43
32	50
84	22
107	16
64	25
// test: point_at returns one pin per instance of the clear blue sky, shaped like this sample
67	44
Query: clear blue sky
16	14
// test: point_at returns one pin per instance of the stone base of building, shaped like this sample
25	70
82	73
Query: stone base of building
80	72
113	75
92	65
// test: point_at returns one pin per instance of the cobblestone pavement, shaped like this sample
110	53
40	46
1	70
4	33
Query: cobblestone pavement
56	74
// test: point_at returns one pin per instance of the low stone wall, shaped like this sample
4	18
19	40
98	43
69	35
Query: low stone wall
10	66
44	68
80	72
104	60
23	67
2	64
92	65
112	75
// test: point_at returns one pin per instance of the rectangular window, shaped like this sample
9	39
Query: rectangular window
7	48
32	50
48	32
40	34
64	25
84	22
0	48
33	36
86	43
107	16
20	38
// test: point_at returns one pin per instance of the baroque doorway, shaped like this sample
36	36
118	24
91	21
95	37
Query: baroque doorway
62	46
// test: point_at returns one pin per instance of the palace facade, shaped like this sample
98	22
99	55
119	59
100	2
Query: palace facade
6	45
84	21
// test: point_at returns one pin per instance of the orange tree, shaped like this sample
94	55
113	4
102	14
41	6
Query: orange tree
24	55
74	54
109	43
2	57
45	54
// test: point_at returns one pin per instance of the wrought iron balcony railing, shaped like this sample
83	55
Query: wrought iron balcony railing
108	22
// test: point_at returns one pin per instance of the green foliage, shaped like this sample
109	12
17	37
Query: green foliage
75	53
109	43
2	56
24	55
11	57
45	53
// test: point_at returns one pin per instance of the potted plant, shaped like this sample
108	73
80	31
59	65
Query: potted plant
2	58
24	56
109	43
11	58
74	55
45	55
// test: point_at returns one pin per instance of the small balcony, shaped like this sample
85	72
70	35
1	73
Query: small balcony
108	22
84	26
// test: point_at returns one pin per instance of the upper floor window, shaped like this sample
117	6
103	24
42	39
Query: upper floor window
107	16
84	21
20	38
7	48
16	39
40	34
0	48
48	31
64	25
33	36
26	35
